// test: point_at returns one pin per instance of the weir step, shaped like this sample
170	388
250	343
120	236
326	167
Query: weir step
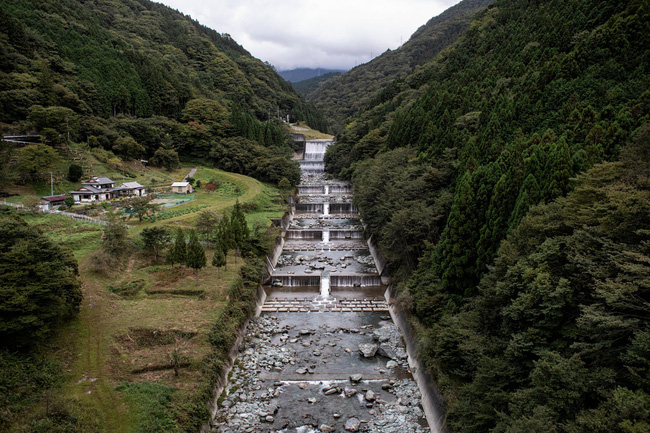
337	216
334	305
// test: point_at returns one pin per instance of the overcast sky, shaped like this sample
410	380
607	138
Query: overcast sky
334	34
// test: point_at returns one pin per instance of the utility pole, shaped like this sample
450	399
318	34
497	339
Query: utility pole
51	185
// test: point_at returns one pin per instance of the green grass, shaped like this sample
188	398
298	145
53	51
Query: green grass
115	304
82	238
152	404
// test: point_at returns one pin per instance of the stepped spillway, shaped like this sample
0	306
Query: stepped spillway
324	355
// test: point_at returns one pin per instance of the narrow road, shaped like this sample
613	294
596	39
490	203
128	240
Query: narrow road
191	173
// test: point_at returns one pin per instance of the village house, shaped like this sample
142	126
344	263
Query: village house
103	189
182	188
51	202
133	189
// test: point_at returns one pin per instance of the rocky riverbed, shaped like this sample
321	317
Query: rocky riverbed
321	372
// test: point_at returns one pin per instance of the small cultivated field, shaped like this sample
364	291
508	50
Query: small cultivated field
133	356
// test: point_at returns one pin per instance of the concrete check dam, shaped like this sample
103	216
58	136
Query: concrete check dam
324	354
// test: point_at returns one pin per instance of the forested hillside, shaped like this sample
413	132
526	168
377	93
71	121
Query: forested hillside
96	71
306	87
530	320
348	93
302	74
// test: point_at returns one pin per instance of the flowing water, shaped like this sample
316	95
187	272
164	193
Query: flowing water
324	355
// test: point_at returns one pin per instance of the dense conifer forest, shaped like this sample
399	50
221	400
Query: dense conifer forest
100	70
507	181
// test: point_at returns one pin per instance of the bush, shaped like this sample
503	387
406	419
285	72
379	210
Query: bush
75	172
39	286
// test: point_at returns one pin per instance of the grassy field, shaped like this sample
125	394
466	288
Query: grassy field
310	134
138	315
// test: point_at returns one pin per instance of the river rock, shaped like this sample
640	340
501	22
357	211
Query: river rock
352	424
391	364
370	396
349	392
326	429
355	378
368	350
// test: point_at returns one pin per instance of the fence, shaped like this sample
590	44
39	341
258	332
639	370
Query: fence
74	216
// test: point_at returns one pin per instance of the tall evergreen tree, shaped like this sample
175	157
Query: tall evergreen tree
218	259
224	241
195	256
179	250
239	228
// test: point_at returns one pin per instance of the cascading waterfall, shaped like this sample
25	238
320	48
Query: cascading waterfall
306	190
344	234
326	208
305	234
326	235
325	285
359	280
297	280
345	208
313	166
339	189
310	207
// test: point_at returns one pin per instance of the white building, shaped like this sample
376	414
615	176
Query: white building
182	188
96	189
103	188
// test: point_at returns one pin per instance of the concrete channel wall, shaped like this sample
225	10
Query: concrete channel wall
222	381
432	401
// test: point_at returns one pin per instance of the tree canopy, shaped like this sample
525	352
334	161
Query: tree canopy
40	286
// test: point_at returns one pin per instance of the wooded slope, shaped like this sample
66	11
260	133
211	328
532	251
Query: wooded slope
347	94
529	323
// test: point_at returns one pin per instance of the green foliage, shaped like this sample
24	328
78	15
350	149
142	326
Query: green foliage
140	61
39	288
195	257
178	253
115	237
563	314
238	226
35	159
204	110
168	214
219	259
207	225
151	404
141	206
128	148
531	292
167	158
24	380
378	81
75	172
155	239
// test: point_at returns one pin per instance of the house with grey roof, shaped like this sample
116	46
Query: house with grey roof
103	188
95	189
133	189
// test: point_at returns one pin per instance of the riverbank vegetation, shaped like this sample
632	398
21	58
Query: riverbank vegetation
505	180
147	345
